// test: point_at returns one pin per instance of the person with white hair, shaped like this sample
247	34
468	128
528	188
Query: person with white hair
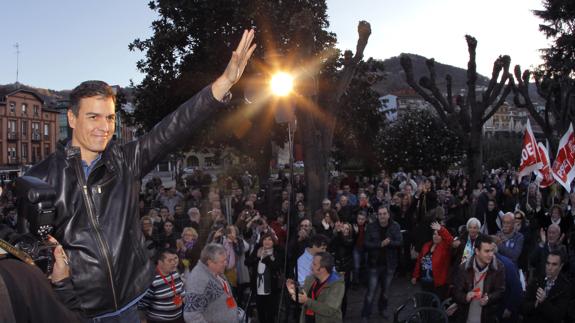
509	241
209	295
464	243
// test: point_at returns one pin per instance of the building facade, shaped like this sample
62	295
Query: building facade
28	129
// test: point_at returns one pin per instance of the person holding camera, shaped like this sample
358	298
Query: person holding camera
24	287
98	181
266	264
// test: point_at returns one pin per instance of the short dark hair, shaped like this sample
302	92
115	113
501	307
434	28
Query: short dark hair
162	253
326	261
89	89
559	253
318	240
482	238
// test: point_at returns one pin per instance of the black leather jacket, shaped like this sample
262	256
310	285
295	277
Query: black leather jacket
97	218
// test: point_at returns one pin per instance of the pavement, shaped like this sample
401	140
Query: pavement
400	291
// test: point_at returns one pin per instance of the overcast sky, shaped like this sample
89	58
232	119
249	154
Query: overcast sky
64	42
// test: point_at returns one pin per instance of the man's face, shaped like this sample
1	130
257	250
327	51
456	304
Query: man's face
326	205
346	189
305	225
94	125
485	252
164	212
343	200
490	205
195	216
147	225
408	190
168	227
361	219
169	263
508	224
178	210
553	234
316	268
553	266
219	264
383	217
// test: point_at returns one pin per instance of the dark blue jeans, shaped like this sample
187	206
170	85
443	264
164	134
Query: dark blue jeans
379	276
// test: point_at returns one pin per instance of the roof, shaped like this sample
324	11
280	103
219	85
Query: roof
5	92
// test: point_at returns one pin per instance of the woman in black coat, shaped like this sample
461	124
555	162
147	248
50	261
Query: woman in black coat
266	264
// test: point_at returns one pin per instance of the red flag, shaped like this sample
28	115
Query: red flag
544	173
563	169
530	160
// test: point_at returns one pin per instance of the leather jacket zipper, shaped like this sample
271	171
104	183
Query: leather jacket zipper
94	221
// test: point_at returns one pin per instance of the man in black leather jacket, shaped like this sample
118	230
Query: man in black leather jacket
98	183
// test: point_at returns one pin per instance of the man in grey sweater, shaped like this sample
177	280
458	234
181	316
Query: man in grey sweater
209	296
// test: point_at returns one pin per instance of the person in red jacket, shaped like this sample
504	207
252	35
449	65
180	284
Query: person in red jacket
432	266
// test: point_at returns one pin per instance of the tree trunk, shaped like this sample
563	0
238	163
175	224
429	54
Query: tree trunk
475	155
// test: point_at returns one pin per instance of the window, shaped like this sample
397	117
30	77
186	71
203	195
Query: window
12	106
210	161
24	151
11	126
24	128
11	152
46	130
46	150
35	131
24	108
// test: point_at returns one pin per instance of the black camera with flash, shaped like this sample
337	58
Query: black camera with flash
36	215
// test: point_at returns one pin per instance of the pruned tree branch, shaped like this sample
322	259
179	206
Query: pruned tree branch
364	31
407	66
471	71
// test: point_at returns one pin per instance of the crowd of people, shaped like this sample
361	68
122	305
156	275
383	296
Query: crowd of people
488	248
501	249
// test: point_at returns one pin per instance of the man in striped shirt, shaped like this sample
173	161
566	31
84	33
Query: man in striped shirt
163	301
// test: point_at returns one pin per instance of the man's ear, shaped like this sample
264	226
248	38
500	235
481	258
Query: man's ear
71	119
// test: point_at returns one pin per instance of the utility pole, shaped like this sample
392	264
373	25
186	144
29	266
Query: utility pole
17	46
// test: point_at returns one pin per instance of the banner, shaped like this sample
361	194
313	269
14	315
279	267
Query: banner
530	160
563	170
544	173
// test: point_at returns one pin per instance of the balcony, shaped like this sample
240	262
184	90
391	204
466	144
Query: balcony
13	160
36	136
12	135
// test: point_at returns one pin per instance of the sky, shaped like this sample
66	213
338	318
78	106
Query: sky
64	42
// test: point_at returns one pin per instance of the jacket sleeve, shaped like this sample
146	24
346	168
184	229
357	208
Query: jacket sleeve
332	305
446	237
395	235
499	285
372	238
528	306
555	311
174	131
461	289
195	304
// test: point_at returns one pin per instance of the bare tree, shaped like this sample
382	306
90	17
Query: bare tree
467	114
317	129
559	96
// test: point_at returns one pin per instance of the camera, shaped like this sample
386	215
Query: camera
36	215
